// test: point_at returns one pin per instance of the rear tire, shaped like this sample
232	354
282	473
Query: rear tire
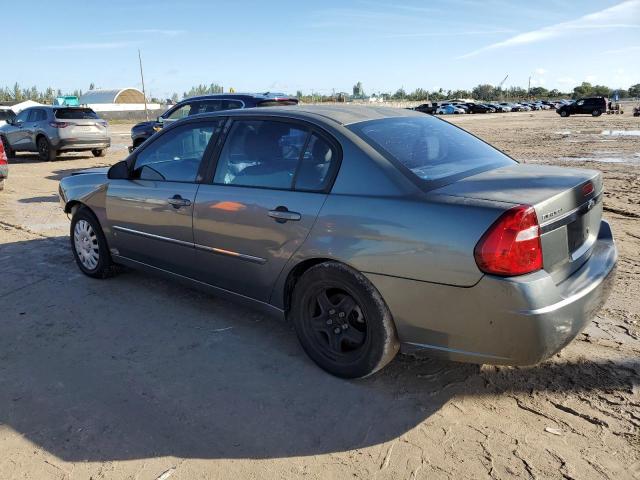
45	151
596	113
564	113
342	321
89	245
99	152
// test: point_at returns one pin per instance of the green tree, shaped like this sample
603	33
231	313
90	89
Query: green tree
539	92
483	92
358	91
299	94
634	90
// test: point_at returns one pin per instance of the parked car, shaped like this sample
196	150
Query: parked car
206	104
636	111
4	165
500	108
50	130
6	114
446	246
449	109
595	106
491	108
477	108
429	108
512	107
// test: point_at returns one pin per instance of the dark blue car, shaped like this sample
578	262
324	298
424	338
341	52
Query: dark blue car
205	104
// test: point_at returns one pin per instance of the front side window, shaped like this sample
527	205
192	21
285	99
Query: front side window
430	149
261	153
23	115
176	155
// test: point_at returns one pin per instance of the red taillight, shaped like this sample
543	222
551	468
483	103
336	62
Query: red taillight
511	246
61	124
587	189
3	155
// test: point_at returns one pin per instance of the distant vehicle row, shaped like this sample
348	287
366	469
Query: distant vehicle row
456	107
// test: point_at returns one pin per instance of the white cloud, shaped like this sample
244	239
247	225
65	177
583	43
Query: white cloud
590	78
540	71
570	81
150	31
623	15
88	46
630	49
447	34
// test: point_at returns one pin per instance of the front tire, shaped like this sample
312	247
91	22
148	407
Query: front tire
89	245
99	152
596	112
342	321
564	113
45	151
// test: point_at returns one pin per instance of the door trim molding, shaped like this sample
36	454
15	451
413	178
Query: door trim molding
204	248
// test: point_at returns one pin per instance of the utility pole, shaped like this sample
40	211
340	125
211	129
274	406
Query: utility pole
144	93
529	88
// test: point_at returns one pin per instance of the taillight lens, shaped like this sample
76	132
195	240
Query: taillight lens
3	155
61	124
511	246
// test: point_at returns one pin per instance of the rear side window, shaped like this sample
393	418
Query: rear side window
315	165
261	153
76	113
207	106
176	155
430	149
37	115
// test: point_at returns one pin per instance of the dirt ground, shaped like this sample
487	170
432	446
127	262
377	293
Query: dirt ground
137	378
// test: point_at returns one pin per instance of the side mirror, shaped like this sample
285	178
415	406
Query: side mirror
119	171
160	119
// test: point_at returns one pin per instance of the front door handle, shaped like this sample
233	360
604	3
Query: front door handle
177	201
282	214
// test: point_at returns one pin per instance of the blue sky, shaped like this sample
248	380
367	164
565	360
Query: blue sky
321	45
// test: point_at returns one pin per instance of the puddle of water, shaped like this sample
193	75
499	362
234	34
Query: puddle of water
621	133
635	160
606	133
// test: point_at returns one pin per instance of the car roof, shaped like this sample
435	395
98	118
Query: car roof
254	96
341	114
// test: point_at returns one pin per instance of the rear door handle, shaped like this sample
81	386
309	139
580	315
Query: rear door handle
177	201
282	214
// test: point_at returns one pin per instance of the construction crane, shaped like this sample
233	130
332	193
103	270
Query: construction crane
502	82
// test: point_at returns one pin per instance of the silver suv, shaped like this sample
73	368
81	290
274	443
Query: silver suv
50	130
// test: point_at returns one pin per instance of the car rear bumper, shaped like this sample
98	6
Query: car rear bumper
82	143
512	321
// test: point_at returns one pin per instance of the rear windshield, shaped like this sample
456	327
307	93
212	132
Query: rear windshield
277	103
76	113
6	114
429	149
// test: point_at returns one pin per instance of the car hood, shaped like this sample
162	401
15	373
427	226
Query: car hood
143	125
98	170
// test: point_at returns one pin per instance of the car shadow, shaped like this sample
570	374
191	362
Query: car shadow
41	199
137	367
24	158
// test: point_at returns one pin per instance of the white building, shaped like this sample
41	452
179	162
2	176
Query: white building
117	100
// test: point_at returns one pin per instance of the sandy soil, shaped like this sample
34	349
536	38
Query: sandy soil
138	378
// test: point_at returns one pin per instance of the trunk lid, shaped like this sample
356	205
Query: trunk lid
567	201
81	123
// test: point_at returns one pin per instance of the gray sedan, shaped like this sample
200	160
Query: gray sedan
367	228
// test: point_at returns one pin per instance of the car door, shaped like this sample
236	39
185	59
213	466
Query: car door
36	117
16	132
270	181
150	214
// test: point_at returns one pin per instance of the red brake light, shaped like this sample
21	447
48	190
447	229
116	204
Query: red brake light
61	124
3	155
587	189
511	246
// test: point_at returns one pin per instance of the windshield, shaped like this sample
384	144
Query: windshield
76	113
430	149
